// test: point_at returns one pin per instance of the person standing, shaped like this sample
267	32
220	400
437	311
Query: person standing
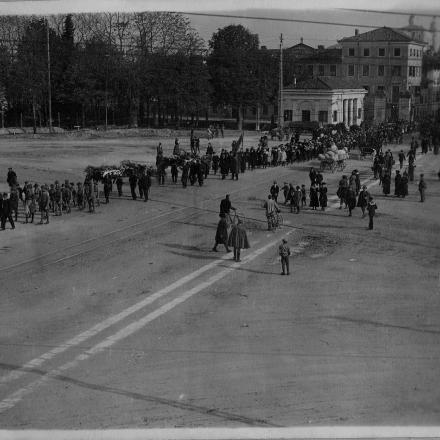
13	200
5	212
386	183
402	158
271	208
363	200
397	187
133	181
119	183
274	191
107	188
422	188
371	212
226	206
238	239
323	196
221	235
44	205
314	200
284	252
174	172
351	199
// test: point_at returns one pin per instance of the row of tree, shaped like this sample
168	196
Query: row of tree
135	69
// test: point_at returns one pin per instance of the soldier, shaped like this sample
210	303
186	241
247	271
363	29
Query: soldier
143	185
5	212
28	200
58	199
44	205
13	199
174	172
52	197
89	194
422	188
66	197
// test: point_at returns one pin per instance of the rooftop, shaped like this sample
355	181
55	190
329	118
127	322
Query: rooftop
326	83
379	34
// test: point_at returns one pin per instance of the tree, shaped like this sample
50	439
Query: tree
233	68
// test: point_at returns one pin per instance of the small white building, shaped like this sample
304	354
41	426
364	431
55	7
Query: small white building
324	100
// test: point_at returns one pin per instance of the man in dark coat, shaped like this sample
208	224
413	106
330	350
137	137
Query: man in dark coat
221	235
371	212
13	200
234	167
44	205
397	187
422	188
226	206
5	212
133	181
238	239
11	178
274	191
364	197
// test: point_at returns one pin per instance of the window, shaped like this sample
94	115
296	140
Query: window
359	113
397	51
410	52
321	70
351	51
397	71
323	116
288	115
381	51
366	52
351	70
365	70
412	70
305	116
335	116
332	69
380	70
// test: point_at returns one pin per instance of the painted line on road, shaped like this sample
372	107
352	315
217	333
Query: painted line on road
37	362
13	399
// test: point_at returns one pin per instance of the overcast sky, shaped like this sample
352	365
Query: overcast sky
268	31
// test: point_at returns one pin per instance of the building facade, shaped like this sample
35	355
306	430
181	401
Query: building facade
325	100
387	63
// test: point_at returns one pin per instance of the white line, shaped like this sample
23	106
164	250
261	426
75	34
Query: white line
299	432
13	399
34	363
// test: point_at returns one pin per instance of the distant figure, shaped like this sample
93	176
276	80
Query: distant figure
284	252
11	178
221	235
422	188
371	212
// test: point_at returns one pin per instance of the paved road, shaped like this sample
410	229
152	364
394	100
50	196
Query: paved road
127	319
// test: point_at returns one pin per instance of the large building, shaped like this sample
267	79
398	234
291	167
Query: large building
326	100
388	64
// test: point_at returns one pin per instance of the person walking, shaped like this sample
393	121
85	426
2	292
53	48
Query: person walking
323	196
119	183
422	188
271	207
371	212
221	235
238	239
6	212
284	252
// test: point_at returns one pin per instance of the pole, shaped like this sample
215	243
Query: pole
280	86
48	77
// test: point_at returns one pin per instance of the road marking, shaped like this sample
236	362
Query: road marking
34	363
14	398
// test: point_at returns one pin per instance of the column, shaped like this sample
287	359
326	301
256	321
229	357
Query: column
355	112
350	112
344	111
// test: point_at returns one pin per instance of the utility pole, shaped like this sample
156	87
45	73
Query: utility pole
280	86
48	77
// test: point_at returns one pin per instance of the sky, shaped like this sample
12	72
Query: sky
268	31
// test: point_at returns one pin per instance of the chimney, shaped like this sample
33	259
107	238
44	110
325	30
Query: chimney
302	40
356	32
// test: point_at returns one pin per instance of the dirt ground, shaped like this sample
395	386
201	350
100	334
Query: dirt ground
126	319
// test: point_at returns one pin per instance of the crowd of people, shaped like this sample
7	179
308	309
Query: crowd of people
59	198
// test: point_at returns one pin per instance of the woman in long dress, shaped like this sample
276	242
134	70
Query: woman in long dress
314	201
